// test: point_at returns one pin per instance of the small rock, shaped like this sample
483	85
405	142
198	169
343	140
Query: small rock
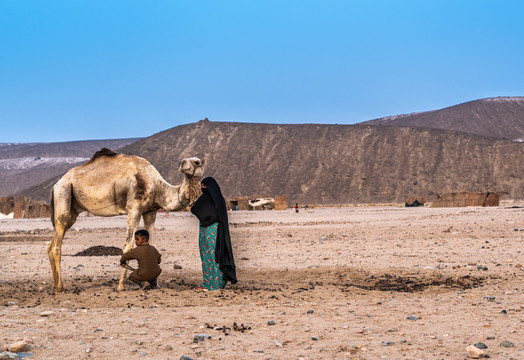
278	344
185	357
20	346
310	311
315	338
507	344
142	353
387	343
271	322
489	298
7	355
201	337
474	352
46	313
481	345
168	348
177	267
412	318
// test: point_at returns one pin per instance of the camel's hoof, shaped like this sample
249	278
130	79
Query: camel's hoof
59	289
120	288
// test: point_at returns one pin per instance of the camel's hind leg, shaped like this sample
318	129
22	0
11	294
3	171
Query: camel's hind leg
133	218
54	251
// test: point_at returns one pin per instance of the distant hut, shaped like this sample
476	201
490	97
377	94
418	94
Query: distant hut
281	202
239	203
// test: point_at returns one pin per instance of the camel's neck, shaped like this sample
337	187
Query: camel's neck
178	197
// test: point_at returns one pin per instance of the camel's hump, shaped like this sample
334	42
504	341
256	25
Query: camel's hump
102	152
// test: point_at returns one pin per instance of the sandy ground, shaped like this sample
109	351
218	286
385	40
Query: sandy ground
334	283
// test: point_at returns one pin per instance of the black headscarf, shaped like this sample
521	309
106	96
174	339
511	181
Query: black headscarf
223	249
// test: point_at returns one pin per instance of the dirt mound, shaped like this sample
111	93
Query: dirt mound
101	250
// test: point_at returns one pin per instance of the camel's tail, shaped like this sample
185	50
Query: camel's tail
52	207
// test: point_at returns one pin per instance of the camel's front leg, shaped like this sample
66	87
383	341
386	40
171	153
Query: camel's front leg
54	252
132	224
149	223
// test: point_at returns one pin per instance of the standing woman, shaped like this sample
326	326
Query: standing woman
216	253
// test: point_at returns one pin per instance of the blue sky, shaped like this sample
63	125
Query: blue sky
78	70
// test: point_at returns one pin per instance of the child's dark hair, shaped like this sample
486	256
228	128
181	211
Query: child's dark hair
143	233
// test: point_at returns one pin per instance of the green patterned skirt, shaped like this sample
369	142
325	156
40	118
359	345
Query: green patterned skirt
207	238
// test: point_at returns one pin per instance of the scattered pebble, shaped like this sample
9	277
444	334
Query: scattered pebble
315	338
474	352
507	344
278	344
481	345
412	318
7	355
271	322
201	337
46	313
20	346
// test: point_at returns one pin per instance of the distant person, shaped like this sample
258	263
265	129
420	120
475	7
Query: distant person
148	259
214	241
306	208
296	207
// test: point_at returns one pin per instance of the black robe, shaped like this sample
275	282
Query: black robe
223	249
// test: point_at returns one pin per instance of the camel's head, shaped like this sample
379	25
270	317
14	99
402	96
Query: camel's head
192	167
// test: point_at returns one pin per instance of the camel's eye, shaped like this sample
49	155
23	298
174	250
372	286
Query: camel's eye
197	162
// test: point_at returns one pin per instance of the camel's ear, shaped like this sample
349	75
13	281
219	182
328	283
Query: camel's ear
203	162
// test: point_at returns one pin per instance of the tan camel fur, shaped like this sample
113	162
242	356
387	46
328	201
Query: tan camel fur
112	184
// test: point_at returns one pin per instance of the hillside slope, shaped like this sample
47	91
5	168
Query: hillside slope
501	117
334	164
338	164
26	165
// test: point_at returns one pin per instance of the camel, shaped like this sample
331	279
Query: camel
112	184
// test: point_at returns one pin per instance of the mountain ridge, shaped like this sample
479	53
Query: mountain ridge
369	162
499	117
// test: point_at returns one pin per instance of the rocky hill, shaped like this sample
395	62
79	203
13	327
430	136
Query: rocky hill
26	165
501	117
336	164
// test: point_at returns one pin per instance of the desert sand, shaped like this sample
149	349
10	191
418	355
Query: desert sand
359	282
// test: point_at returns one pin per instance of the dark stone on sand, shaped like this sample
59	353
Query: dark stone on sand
507	344
271	322
412	318
481	345
185	357
201	337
